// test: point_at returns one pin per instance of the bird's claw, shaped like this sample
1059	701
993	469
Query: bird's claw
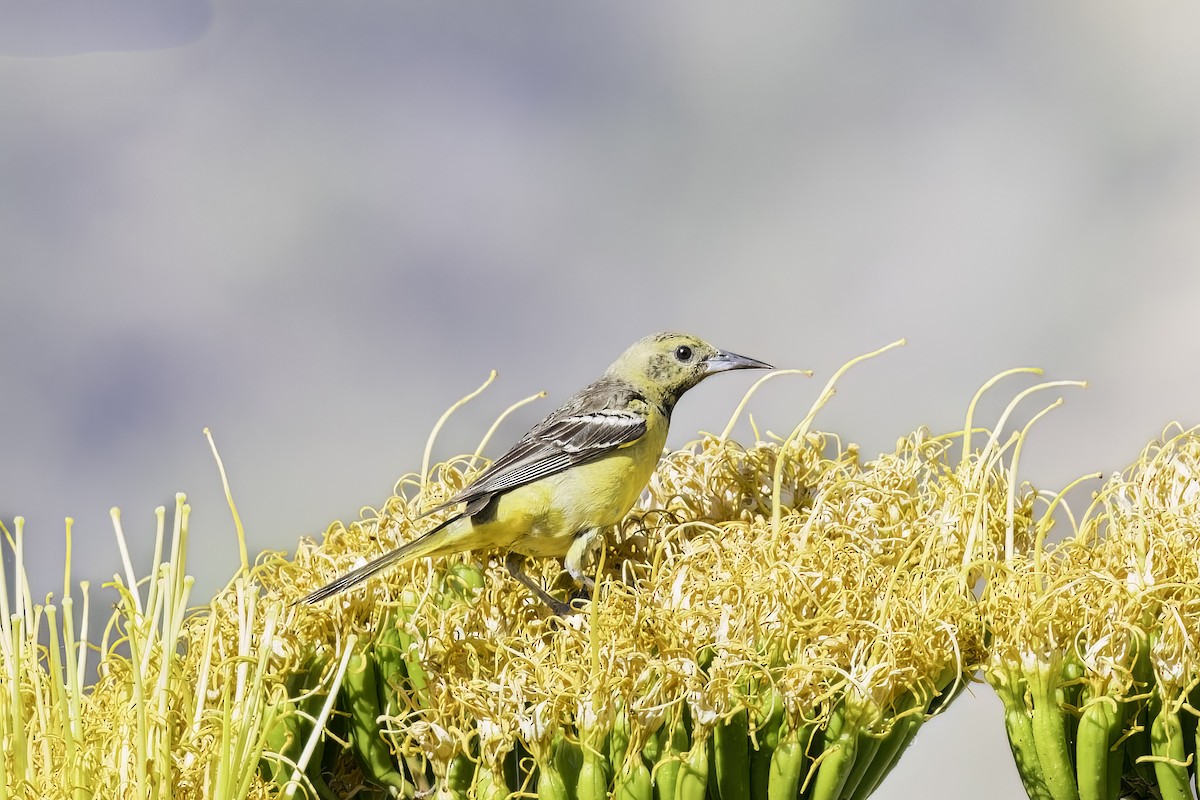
558	608
573	606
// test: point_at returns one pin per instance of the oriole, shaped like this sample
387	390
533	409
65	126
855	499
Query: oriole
573	474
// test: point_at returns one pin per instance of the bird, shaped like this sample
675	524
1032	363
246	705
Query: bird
572	475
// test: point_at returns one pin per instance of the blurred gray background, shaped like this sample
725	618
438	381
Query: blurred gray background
313	226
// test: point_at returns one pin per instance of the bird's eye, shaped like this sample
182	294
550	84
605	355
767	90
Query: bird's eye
683	353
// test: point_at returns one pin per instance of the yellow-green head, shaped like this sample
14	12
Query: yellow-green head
665	365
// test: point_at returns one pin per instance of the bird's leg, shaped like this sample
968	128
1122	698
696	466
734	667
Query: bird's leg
515	563
573	561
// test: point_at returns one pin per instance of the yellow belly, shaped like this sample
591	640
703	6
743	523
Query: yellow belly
542	518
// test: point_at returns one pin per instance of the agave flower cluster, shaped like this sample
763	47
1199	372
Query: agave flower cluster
180	703
1096	640
781	614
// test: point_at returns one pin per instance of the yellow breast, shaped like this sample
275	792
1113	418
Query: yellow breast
547	514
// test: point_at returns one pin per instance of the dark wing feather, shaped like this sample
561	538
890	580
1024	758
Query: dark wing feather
590	424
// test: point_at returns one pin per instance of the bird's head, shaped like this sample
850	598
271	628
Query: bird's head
668	364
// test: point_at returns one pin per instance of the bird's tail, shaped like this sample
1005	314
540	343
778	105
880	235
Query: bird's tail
423	545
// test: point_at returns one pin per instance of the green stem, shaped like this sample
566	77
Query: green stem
767	740
1097	755
692	781
1170	754
888	754
790	763
675	746
837	756
1050	731
1010	687
730	758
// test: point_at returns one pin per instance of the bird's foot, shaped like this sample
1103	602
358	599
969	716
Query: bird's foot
514	564
576	603
558	608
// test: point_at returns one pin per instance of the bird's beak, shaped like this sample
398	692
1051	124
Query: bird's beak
724	361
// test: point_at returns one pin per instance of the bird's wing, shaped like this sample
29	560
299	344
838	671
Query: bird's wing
591	424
